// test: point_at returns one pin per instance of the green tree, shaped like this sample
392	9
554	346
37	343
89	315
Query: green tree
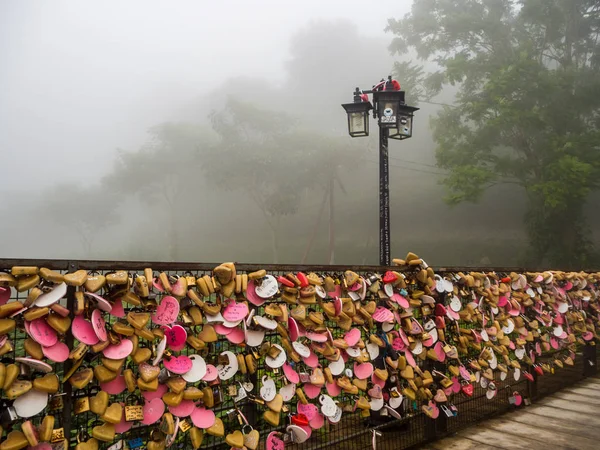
85	211
527	107
164	173
271	158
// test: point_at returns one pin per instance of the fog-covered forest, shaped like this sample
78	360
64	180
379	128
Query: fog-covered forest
189	131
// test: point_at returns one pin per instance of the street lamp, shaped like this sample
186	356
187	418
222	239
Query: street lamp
395	119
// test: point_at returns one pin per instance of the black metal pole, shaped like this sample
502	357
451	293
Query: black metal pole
384	199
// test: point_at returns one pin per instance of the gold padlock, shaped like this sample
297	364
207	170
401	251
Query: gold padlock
184	425
81	405
58	434
133	410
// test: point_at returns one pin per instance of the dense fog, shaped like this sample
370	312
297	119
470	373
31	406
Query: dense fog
213	131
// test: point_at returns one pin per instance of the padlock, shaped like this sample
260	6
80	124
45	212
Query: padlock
232	390
184	425
56	402
8	414
133	409
58	434
217	395
135	443
81	405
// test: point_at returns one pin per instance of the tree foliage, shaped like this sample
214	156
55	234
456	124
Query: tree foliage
527	107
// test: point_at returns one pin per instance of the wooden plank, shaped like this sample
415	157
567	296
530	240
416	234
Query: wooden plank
565	423
591	393
575	398
584	408
459	443
485	435
558	439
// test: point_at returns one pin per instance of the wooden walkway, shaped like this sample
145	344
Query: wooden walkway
568	419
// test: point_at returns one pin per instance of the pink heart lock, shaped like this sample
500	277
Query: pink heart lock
117	309
400	299
274	442
518	398
178	364
311	390
222	329
237	336
211	373
311	360
382	314
44	334
176	337
309	410
114	387
438	348
435	412
317	422
203	418
352	337
355	287
99	325
316	337
167	311
502	301
333	389
293	328
252	296
58	352
464	373
235	312
84	331
153	410
337	292
290	373
587	336
398	344
123	425
184	409
4	295
157	284
102	303
337	305
363	371
455	385
151	395
377	381
375	392
118	351
410	359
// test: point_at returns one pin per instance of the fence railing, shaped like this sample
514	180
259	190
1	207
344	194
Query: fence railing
410	426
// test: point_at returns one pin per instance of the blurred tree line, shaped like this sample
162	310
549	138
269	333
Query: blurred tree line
258	172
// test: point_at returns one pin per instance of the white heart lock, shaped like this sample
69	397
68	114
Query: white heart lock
509	328
265	322
198	370
348	373
439	283
387	326
288	391
353	352
503	376
558	331
301	349
418	349
519	353
484	335
376	404
248	386
227	371
517	374
299	434
477	376
373	350
354	295
483	382
268	287
30	403
268	389
429	325
328	406
160	350
395	402
320	291
254	337
49	298
455	304
279	360
563	307
216	318
337	367
448	286
388	289
337	416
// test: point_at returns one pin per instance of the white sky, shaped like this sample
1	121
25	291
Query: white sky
80	78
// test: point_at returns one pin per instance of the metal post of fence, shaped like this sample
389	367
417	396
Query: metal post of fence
590	368
532	385
68	401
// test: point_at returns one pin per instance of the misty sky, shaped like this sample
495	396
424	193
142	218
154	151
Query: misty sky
80	78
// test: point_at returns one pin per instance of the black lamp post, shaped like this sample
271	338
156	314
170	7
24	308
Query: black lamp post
395	119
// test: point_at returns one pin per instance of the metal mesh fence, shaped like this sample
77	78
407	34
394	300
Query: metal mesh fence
354	431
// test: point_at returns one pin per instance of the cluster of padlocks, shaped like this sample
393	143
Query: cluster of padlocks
165	350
